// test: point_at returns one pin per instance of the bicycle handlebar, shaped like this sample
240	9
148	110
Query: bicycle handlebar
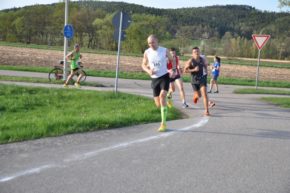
61	62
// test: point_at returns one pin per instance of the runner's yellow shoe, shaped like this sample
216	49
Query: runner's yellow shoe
77	85
162	127
65	86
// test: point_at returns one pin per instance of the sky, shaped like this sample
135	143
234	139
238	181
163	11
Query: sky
263	5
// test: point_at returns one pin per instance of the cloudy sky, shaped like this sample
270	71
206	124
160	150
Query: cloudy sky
269	5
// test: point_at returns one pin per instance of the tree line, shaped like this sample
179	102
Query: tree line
222	30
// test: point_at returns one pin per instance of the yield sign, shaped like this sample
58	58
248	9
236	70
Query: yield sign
260	40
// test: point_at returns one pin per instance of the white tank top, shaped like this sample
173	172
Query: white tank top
157	61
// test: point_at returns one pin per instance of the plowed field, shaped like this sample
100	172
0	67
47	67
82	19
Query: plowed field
39	57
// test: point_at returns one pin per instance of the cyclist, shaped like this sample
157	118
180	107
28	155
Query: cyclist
74	57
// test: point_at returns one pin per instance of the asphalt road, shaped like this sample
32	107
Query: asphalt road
243	147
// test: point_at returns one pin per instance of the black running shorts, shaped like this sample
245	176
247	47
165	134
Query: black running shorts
161	83
175	78
202	82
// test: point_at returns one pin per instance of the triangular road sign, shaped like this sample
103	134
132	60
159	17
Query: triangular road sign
260	40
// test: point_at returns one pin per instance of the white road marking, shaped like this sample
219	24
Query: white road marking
90	154
26	172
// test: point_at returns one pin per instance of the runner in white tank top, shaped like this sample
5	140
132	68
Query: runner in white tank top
155	64
157	61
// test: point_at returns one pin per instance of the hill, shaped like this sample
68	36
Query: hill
222	30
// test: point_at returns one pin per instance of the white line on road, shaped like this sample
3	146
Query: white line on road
90	154
26	172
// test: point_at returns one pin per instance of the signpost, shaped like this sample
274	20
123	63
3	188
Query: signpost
121	21
65	41
68	31
126	20
260	41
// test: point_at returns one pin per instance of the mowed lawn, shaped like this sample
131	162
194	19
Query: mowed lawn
280	101
30	113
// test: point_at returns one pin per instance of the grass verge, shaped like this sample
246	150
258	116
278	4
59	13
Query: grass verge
280	101
29	113
44	80
261	91
246	82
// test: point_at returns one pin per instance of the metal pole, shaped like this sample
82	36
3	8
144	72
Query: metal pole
65	41
118	55
257	72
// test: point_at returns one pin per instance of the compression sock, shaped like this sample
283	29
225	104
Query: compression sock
163	114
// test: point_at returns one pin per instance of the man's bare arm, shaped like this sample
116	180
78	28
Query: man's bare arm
187	67
145	65
169	56
69	56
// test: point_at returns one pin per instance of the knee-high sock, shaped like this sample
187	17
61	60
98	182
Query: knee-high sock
163	114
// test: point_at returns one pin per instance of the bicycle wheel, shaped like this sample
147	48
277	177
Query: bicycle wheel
83	79
55	74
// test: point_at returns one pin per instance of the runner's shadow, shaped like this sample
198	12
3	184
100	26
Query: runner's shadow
268	134
276	134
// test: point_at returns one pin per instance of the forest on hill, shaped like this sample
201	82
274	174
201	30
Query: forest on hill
222	30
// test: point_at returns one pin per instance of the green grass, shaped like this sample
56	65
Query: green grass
251	82
261	91
234	61
103	73
23	79
44	80
26	68
125	75
35	46
246	82
29	113
280	101
243	62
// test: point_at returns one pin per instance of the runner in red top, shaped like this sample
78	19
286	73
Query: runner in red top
175	76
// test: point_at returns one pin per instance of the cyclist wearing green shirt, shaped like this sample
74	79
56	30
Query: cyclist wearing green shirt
74	58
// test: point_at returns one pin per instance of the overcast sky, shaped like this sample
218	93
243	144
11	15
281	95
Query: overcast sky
264	5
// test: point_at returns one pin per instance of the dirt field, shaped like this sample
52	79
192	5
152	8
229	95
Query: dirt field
38	57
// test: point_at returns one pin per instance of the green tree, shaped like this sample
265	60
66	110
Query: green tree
141	27
104	33
7	30
284	3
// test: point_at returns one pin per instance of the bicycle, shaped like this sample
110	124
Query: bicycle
57	73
